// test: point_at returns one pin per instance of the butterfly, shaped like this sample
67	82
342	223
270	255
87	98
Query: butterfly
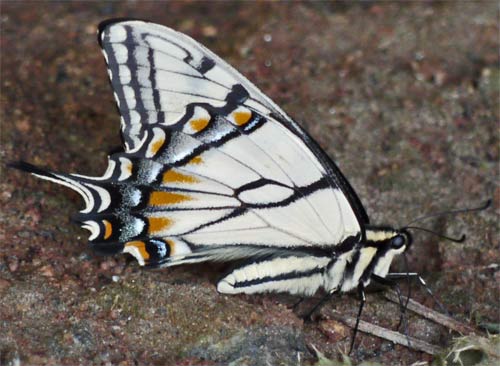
212	169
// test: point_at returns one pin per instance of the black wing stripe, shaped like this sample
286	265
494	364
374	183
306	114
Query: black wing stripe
334	173
305	197
205	65
279	277
236	212
152	77
113	65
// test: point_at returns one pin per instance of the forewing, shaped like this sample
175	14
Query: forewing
210	161
156	72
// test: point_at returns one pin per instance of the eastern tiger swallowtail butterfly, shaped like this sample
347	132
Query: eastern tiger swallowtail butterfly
212	170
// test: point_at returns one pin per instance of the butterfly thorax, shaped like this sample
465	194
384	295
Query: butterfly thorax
372	256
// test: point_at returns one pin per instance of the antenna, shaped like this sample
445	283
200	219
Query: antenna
449	212
455	240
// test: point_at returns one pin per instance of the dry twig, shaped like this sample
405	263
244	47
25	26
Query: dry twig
384	333
433	315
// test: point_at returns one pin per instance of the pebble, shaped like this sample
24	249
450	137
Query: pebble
209	31
13	263
47	271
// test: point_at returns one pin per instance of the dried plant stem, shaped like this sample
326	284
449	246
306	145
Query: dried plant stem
433	315
384	333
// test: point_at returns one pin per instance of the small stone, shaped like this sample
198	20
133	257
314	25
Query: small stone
334	330
5	195
13	263
209	31
47	271
23	125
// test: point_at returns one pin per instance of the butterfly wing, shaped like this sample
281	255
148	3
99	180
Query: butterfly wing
156	72
217	162
212	169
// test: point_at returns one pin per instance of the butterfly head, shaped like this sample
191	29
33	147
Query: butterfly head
388	240
402	240
386	243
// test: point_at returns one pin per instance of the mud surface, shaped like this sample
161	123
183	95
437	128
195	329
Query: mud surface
405	97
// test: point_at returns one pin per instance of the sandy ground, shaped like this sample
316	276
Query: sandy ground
405	97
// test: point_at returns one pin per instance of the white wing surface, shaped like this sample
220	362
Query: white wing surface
211	167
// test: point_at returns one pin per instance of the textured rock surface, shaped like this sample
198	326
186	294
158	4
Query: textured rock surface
405	97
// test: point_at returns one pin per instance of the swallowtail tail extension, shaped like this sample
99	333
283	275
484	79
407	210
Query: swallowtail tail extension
212	170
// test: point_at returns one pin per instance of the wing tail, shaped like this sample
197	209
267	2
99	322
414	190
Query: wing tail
96	216
91	194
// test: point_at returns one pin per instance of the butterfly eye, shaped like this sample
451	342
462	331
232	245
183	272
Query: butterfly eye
398	241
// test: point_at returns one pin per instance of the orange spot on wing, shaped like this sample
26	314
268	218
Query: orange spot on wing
199	124
171	245
129	168
159	198
242	117
108	229
157	224
155	146
173	176
140	246
196	160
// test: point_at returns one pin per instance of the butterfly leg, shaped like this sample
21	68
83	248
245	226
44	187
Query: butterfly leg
362	297
308	316
396	276
295	306
402	306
